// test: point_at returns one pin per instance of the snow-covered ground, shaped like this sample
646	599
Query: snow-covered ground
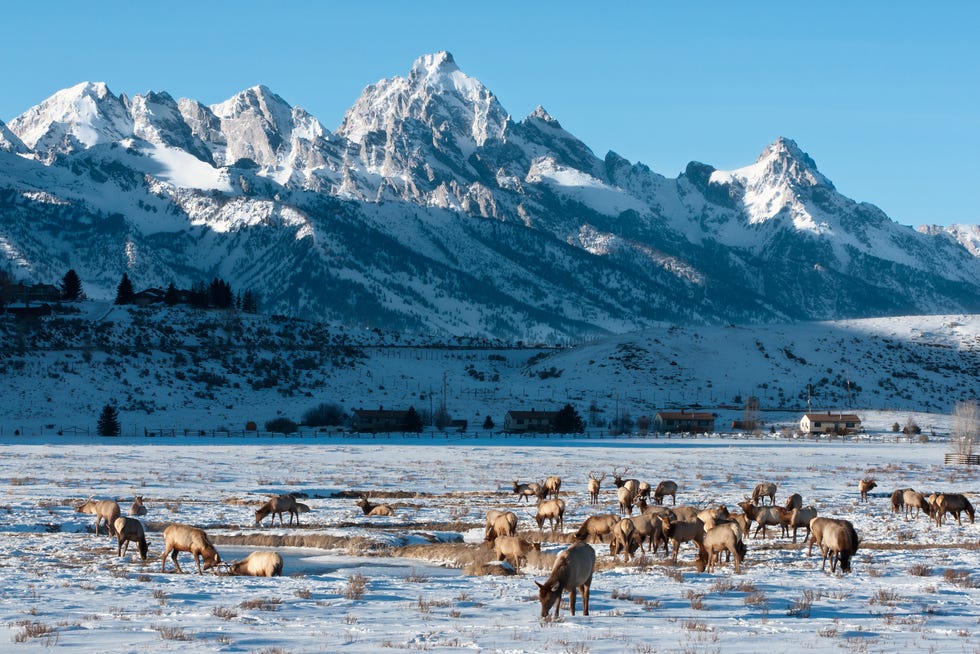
914	586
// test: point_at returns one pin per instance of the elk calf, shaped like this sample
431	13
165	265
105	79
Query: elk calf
257	564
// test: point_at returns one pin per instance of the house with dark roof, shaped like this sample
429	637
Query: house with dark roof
684	421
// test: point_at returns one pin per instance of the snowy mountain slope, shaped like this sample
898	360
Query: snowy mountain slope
429	208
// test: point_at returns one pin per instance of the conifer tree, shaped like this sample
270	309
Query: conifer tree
124	292
71	286
109	421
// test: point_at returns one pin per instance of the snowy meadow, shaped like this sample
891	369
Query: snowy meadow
419	580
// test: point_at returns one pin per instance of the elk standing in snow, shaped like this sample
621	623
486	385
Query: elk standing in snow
572	572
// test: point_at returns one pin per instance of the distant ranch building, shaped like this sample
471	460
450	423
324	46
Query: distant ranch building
684	421
378	420
829	423
529	421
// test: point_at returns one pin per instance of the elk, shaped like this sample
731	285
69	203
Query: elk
818	528
594	483
572	571
278	505
794	501
103	510
597	526
664	489
625	496
553	511
137	508
500	523
866	485
643	491
763	516
514	550
898	500
955	504
622	536
684	512
184	538
717	540
913	500
711	516
678	531
762	490
632	484
551	487
524	491
801	518
840	542
373	510
130	530
647	527
257	564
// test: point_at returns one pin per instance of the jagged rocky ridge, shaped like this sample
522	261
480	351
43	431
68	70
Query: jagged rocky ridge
430	209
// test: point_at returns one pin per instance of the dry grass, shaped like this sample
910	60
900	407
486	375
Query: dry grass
36	630
260	604
168	632
356	585
224	613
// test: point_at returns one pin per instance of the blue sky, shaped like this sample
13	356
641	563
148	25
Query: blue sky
885	96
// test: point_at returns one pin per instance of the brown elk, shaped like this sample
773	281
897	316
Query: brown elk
678	531
572	571
524	491
643	490
763	516
794	501
514	550
710	516
278	505
626	497
865	486
954	504
500	523
130	530
839	542
553	511
622	537
104	511
801	518
721	538
374	510
257	564
914	500
819	526
137	508
762	490
550	487
632	484
184	538
597	526
898	499
665	488
647	527
594	483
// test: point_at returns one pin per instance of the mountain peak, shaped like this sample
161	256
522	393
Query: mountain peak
783	157
541	114
430	64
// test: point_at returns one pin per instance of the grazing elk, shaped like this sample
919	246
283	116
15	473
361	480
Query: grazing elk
572	572
550	488
553	511
622	538
130	530
257	564
955	504
897	497
278	505
866	485
762	490
524	491
839	542
514	550
818	528
597	526
104	511
915	500
679	531
594	483
647	527
625	496
794	501
184	538
665	488
722	538
374	510
643	491
137	508
500	523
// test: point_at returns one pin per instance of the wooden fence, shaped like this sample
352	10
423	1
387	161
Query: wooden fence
953	458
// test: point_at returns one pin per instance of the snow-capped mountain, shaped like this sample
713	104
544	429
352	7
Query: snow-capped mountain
429	208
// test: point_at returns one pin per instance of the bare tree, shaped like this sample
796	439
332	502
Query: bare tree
966	426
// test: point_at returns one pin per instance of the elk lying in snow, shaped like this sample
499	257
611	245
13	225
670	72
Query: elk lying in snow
597	526
722	538
257	564
277	506
572	571
137	508
866	485
664	489
184	538
622	537
130	530
677	532
839	541
103	510
500	523
514	550
374	510
524	491
550	487
764	516
794	501
763	490
953	503
553	511
594	483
